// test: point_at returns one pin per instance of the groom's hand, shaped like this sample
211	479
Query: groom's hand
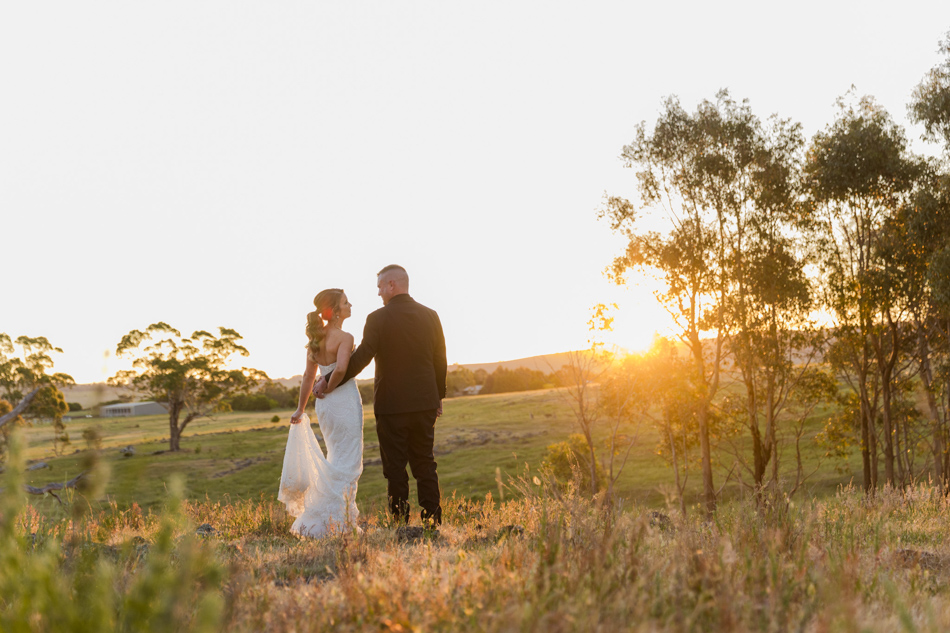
438	412
319	388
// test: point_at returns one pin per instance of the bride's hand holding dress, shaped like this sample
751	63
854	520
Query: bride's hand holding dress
320	489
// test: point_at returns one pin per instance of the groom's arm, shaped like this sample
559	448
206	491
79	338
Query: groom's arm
366	350
439	359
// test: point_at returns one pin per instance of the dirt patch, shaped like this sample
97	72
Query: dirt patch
465	439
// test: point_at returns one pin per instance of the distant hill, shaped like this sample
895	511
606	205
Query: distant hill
546	363
89	395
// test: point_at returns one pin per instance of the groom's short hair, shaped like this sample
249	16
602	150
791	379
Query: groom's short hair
386	269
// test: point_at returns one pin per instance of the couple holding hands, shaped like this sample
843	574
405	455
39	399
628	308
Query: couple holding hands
406	340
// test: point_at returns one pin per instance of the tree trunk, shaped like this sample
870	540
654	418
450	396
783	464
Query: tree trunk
771	430
709	492
926	375
888	429
174	431
759	460
593	467
886	360
865	435
872	443
760	449
680	485
702	415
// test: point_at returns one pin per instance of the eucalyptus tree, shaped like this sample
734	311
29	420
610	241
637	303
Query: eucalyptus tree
927	256
190	376
918	249
858	172
930	103
725	183
27	385
773	340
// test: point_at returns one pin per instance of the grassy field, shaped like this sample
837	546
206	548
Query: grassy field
238	456
546	561
526	555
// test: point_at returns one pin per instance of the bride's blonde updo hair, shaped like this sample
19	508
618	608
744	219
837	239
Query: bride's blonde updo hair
327	304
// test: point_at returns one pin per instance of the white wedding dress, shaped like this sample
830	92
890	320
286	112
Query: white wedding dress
320	491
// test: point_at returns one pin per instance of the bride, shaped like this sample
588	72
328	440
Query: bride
320	491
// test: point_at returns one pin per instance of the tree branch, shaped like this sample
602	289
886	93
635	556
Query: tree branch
17	410
49	488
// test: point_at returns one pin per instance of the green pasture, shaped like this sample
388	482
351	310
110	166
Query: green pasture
239	456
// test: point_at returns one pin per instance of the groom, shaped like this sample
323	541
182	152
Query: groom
406	340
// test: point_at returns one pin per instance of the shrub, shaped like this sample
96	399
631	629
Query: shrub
275	419
366	393
93	437
570	462
74	406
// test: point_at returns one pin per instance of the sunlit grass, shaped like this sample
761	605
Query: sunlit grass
540	561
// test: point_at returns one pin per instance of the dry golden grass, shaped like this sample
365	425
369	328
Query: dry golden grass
548	561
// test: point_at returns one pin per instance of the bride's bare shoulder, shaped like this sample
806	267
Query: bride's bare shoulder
337	338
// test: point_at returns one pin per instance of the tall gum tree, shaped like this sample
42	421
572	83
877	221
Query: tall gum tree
913	240
926	255
190	376
858	172
772	338
703	171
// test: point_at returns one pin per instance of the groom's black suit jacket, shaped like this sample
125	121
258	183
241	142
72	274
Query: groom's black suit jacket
406	340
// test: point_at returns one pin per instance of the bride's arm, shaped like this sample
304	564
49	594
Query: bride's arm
343	354
309	374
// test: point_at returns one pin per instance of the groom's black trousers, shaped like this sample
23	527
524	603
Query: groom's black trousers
407	438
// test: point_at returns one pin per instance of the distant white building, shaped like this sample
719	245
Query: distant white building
127	409
472	391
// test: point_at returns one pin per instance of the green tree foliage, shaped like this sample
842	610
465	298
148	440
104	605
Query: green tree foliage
458	380
366	393
190	375
930	103
504	380
268	395
252	402
283	397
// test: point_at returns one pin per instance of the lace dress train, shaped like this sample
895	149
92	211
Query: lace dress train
320	490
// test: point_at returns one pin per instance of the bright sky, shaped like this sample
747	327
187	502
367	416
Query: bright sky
218	163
